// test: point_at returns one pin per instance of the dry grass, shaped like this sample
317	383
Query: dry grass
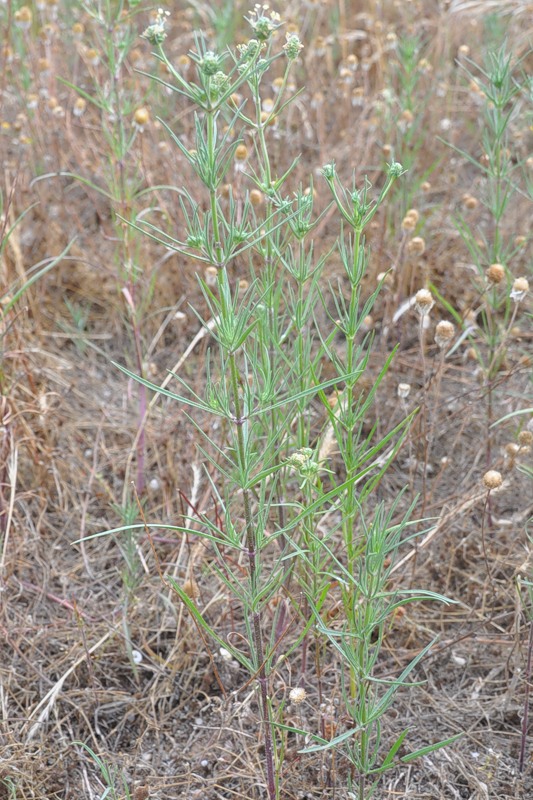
70	613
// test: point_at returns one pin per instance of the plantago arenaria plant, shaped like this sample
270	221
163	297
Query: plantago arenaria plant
288	452
504	94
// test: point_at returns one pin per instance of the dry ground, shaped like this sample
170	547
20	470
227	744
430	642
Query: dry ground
69	422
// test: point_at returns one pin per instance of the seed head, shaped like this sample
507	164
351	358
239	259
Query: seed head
210	276
412	214
424	302
190	588
141	118
256	197
267	118
495	274
79	107
492	479
525	438
24	17
511	449
93	57
225	654
297	695
470	202
520	289
408	224
404	390
444	333
416	246
241	152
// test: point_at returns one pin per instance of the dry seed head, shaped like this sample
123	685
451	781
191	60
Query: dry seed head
511	449
444	333
404	390
297	695
525	438
470	202
520	289
414	213
225	654
47	33
267	118
24	17
408	224
141	117
520	241
78	30
424	302
256	197
387	150
79	107
210	276
387	278
333	399
93	57
426	186
416	246
492	480
241	152
190	588
495	274
463	50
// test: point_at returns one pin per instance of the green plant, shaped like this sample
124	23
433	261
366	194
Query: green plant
111	94
110	777
504	94
291	517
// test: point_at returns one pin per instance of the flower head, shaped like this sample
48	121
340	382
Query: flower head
155	33
263	23
292	46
